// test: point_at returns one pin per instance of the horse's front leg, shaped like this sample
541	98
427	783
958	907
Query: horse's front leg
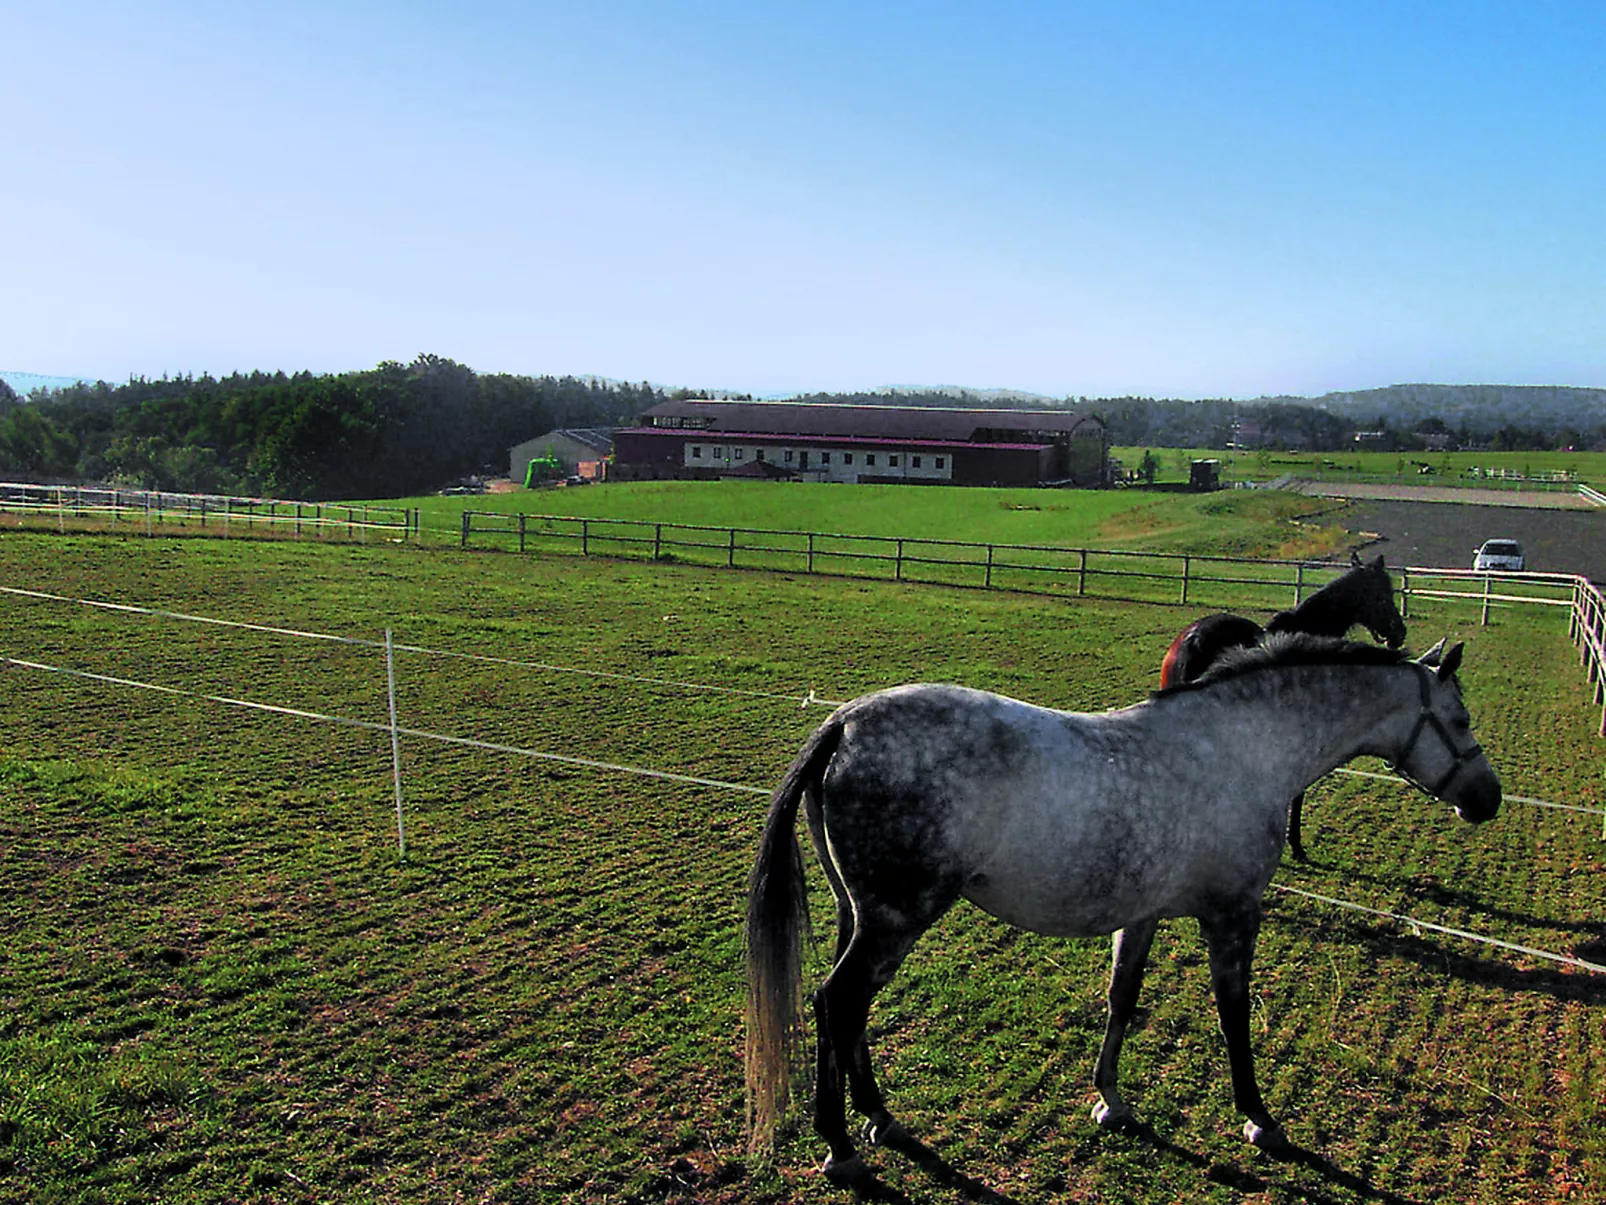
1230	937
1131	955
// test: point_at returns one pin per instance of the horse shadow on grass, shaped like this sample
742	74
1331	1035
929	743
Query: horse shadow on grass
1345	1186
872	1188
1447	896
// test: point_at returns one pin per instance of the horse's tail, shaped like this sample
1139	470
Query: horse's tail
777	917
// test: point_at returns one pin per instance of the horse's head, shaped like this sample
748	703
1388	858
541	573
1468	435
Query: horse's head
1440	754
1375	608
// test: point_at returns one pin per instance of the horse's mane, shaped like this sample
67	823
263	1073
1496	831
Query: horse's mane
1290	648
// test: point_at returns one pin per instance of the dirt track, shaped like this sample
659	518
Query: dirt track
1443	534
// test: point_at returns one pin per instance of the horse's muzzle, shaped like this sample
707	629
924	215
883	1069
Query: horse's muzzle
1479	800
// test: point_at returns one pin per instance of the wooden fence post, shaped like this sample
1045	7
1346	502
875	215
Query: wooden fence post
988	581
1187	564
1081	572
464	541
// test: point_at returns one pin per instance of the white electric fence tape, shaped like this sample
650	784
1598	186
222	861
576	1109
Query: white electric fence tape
395	731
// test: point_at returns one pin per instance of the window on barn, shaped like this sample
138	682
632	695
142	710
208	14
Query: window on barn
759	455
789	456
847	458
825	458
697	451
869	459
719	453
914	462
893	461
939	462
741	453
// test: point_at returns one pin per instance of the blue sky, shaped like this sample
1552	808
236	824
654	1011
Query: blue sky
1184	200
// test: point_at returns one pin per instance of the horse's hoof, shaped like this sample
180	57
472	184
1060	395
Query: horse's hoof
852	1170
1269	1137
1119	1118
888	1132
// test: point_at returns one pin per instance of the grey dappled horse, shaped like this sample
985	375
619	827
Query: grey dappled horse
1363	596
1073	825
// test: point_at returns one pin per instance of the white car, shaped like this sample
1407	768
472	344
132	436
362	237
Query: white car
1498	555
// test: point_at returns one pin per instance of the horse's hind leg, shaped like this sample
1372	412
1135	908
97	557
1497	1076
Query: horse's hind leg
1131	955
1295	841
841	1011
1230	937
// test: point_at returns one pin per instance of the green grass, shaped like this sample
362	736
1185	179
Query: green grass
1449	468
1226	523
219	983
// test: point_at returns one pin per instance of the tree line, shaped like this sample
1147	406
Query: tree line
391	431
401	429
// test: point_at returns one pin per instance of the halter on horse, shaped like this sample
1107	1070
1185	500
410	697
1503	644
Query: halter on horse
1073	825
1364	595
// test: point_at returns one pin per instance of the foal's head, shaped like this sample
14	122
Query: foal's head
1373	595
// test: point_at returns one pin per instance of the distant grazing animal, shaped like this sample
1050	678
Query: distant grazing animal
1074	825
1364	595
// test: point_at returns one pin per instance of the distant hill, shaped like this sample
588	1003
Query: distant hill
1475	407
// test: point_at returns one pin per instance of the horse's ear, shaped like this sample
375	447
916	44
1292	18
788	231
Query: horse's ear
1433	656
1354	559
1377	562
1452	660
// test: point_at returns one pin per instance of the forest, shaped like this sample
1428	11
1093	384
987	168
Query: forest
405	429
390	431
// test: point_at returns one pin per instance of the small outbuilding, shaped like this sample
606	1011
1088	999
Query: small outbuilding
571	447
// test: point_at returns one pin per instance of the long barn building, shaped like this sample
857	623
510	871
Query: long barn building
705	440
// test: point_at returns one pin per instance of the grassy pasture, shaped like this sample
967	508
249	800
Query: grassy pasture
219	983
1449	468
1235	523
